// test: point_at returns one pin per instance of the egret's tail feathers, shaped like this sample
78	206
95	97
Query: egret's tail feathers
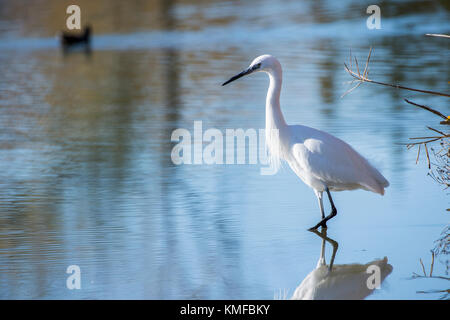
382	183
377	184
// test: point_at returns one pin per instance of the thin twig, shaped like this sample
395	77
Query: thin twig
432	263
415	275
357	67
418	153
438	35
363	78
428	156
435	130
426	108
350	90
366	68
423	268
439	137
423	142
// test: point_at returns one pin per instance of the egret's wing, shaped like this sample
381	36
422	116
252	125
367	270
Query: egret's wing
334	162
325	162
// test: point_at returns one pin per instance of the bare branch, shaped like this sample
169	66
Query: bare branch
363	78
427	108
438	35
366	68
428	156
418	153
423	268
432	263
435	130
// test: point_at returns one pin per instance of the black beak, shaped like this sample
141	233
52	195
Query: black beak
240	75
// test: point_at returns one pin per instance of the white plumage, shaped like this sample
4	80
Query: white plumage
339	281
344	282
322	161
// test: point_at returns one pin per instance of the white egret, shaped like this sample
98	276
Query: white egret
322	161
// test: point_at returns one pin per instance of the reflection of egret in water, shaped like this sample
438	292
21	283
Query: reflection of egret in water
340	281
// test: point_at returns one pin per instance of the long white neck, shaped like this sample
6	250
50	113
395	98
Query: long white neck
275	124
274	117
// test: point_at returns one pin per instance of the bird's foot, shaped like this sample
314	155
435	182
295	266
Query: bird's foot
322	224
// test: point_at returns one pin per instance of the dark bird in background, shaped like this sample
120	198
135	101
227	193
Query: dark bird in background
69	39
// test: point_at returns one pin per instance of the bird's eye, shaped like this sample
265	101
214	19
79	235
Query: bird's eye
256	66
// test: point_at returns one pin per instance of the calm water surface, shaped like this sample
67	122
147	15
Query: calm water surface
86	176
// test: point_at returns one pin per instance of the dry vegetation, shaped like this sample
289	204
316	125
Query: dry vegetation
438	163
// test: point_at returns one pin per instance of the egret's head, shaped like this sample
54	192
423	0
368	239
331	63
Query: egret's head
265	63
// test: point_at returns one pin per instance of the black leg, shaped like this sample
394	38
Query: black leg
323	222
335	245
